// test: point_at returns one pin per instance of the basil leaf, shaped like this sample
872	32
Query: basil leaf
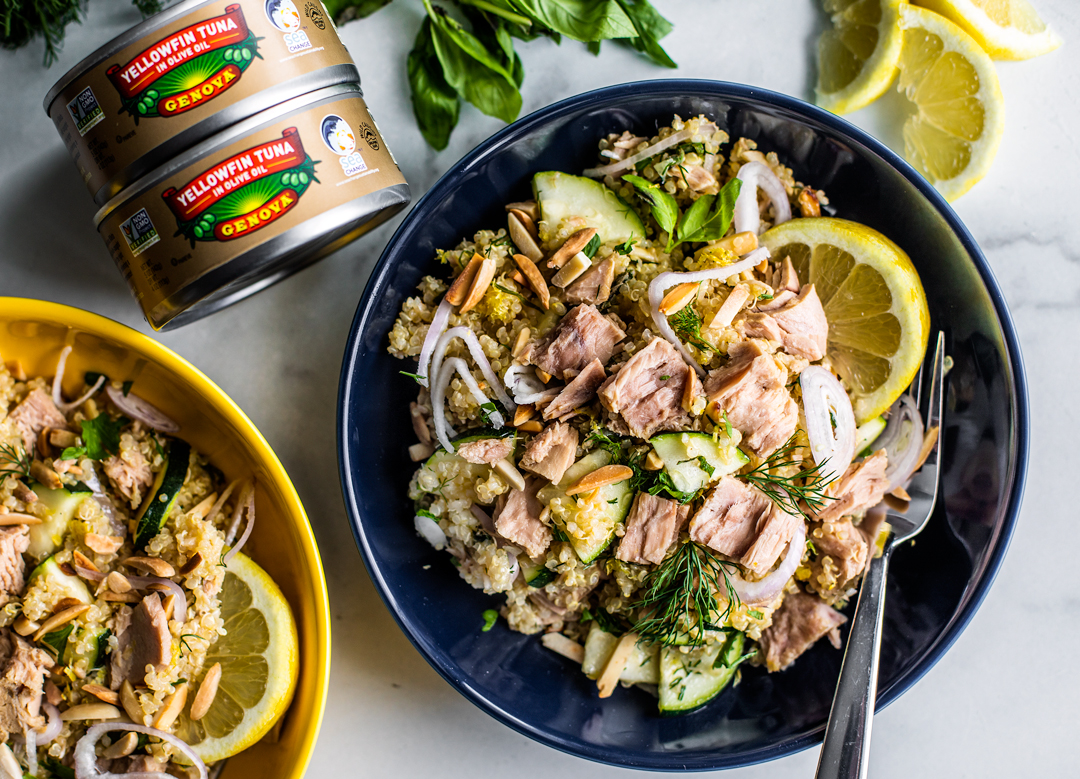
435	103
725	206
717	222
664	208
504	9
582	20
695	217
651	27
101	437
592	247
342	11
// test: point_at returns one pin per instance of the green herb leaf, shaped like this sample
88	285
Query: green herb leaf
57	768
126	387
650	27
487	410
625	248
58	639
435	103
414	376
710	222
664	208
581	20
500	8
15	461
490	616
78	487
755	613
91	377
592	247
342	11
101	437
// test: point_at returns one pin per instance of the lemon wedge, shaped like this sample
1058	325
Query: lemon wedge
1006	29
878	318
259	665
857	56
958	115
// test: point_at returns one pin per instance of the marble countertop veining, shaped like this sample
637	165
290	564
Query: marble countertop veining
1002	703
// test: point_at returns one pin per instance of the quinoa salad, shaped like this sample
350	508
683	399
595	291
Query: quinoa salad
630	425
119	561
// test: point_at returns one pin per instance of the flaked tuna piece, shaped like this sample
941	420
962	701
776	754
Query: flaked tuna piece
861	487
648	390
750	391
120	658
147	639
22	680
130	474
14	541
583	335
741	522
805	328
35	413
780	298
755	324
847	550
594	286
652	527
796	626
486	450
786	277
578	392
518	520
551	452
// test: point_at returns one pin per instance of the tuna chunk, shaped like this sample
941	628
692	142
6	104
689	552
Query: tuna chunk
146	641
652	527
842	555
861	487
578	392
486	450
755	324
805	328
22	680
786	277
741	522
583	335
35	413
14	541
648	389
551	452
130	473
120	658
796	626
518	520
594	286
751	391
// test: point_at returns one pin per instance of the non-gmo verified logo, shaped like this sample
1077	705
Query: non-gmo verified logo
85	111
139	232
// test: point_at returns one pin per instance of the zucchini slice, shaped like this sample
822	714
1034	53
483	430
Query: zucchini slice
47	537
866	434
536	575
689	680
160	500
562	195
695	459
643	667
65	585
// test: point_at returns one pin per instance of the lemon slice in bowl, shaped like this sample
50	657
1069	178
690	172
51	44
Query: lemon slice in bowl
1006	29
878	318
857	56
259	665
954	131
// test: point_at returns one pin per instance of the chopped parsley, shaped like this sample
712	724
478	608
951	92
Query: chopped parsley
101	438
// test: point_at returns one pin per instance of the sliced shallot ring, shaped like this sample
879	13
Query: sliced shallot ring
179	606
665	281
438	396
525	384
247	530
481	360
902	440
615	168
137	408
765	590
86	573
54	725
30	742
58	398
86	757
439	320
754	176
430	530
825	400
241	502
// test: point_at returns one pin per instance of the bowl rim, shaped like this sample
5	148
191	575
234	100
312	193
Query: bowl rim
1019	410
97	324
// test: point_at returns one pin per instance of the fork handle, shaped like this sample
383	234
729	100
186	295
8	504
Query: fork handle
846	751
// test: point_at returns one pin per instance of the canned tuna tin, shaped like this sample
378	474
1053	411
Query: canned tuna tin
252	205
185	74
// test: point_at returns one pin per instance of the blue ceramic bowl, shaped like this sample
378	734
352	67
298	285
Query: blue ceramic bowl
934	587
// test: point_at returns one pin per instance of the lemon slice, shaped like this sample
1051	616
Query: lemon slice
259	663
878	319
857	56
955	128
1006	29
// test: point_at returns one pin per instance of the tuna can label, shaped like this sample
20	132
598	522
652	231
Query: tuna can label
139	232
211	58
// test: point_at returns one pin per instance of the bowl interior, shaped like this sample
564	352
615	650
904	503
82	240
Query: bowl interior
34	332
934	586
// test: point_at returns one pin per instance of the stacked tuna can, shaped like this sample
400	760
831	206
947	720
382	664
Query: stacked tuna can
228	145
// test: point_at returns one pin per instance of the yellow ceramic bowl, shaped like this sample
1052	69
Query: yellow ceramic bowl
34	331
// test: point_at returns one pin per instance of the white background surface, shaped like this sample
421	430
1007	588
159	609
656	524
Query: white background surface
1004	702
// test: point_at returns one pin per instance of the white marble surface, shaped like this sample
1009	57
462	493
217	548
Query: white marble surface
1002	703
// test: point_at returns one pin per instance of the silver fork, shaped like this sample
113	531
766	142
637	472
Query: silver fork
846	751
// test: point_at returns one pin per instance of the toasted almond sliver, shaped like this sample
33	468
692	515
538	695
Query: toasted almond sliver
130	702
207	692
564	646
461	284
102	693
571	246
739	243
119	597
117	582
24	626
522	341
544	376
193	562
523	239
152	565
532	426
174	704
535	279
901	494
122	747
60	619
62	438
653	461
509	471
577	265
90	711
808	203
65	603
518	279
85	562
418	452
480	283
678	298
202	508
616	664
929	440
44	448
732	305
601	477
419	423
14	518
691	389
529	207
24	493
524	413
15	368
545	514
42	473
527	222
103	544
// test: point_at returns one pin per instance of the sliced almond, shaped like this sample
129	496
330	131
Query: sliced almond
601	477
524	413
130	702
653	461
117	582
518	279
45	475
564	646
571	246
52	693
24	493
174	704
532	426
678	298
103	694
62	439
527	222
616	664
808	203
60	619
577	265
418	452
122	747
154	566
65	603
9	766
44	449
731	306
902	494
521	342
14	518
84	562
528	207
202	508
739	243
90	711
545	514
24	626
523	239
460	288
534	278
15	368
120	597
544	376
192	563
929	441
691	389
480	283
419	423
509	471
207	692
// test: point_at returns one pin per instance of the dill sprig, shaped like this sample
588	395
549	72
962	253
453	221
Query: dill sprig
518	295
808	485
687	325
15	461
679	604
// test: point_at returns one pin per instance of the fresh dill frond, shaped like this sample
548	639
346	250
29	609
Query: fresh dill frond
15	461
680	601
687	325
808	485
518	295
607	441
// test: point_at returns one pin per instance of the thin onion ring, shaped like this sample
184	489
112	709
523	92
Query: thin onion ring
54	726
247	530
747	216
30	743
439	320
626	163
763	591
524	383
137	408
86	758
825	399
481	360
902	440
442	381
